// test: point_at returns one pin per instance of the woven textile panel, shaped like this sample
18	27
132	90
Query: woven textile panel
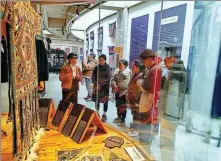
26	25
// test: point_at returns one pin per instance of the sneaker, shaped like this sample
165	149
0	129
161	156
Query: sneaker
133	133
104	118
122	123
88	97
117	120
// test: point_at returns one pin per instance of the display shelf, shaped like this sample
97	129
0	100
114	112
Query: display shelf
54	141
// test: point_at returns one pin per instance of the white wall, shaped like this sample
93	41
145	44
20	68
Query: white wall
140	10
66	43
107	41
155	6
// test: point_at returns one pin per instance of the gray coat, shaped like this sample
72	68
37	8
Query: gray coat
121	80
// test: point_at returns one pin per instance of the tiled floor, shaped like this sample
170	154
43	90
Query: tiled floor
172	143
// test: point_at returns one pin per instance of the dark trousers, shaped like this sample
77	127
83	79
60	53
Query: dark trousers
73	92
121	107
122	115
105	106
72	98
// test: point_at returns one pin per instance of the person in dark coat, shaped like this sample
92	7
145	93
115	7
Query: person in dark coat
4	61
100	94
42	61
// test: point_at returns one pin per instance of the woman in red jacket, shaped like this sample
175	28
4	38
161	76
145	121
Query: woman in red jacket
70	77
151	84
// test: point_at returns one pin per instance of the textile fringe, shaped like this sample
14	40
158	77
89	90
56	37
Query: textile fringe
32	156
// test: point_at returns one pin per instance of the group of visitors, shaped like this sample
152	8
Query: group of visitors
137	88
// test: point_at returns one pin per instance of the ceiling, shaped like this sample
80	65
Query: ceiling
67	20
106	9
57	13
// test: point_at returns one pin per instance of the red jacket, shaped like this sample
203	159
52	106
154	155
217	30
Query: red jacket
152	81
66	80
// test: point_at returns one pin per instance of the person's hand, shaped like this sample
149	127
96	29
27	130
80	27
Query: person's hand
78	77
139	82
98	87
115	90
70	75
127	98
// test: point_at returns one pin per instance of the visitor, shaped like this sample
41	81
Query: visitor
88	68
70	76
134	93
101	77
119	85
150	87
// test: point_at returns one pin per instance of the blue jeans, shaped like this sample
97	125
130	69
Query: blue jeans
88	86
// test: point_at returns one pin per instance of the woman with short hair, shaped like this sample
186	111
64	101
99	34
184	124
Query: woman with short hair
133	94
70	76
119	85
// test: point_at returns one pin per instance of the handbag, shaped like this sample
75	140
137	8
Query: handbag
146	102
146	99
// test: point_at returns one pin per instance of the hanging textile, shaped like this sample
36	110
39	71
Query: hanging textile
42	61
3	8
92	39
112	29
111	56
6	11
100	38
26	24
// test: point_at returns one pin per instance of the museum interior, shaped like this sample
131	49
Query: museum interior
92	80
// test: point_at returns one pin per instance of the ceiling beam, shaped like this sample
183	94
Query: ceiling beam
111	8
76	30
62	2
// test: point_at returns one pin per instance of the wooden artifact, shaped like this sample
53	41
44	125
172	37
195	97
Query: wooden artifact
114	141
46	111
83	128
61	115
73	119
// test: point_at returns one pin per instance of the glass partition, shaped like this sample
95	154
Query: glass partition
158	76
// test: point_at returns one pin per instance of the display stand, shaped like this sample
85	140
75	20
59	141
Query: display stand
73	119
46	111
84	128
61	114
